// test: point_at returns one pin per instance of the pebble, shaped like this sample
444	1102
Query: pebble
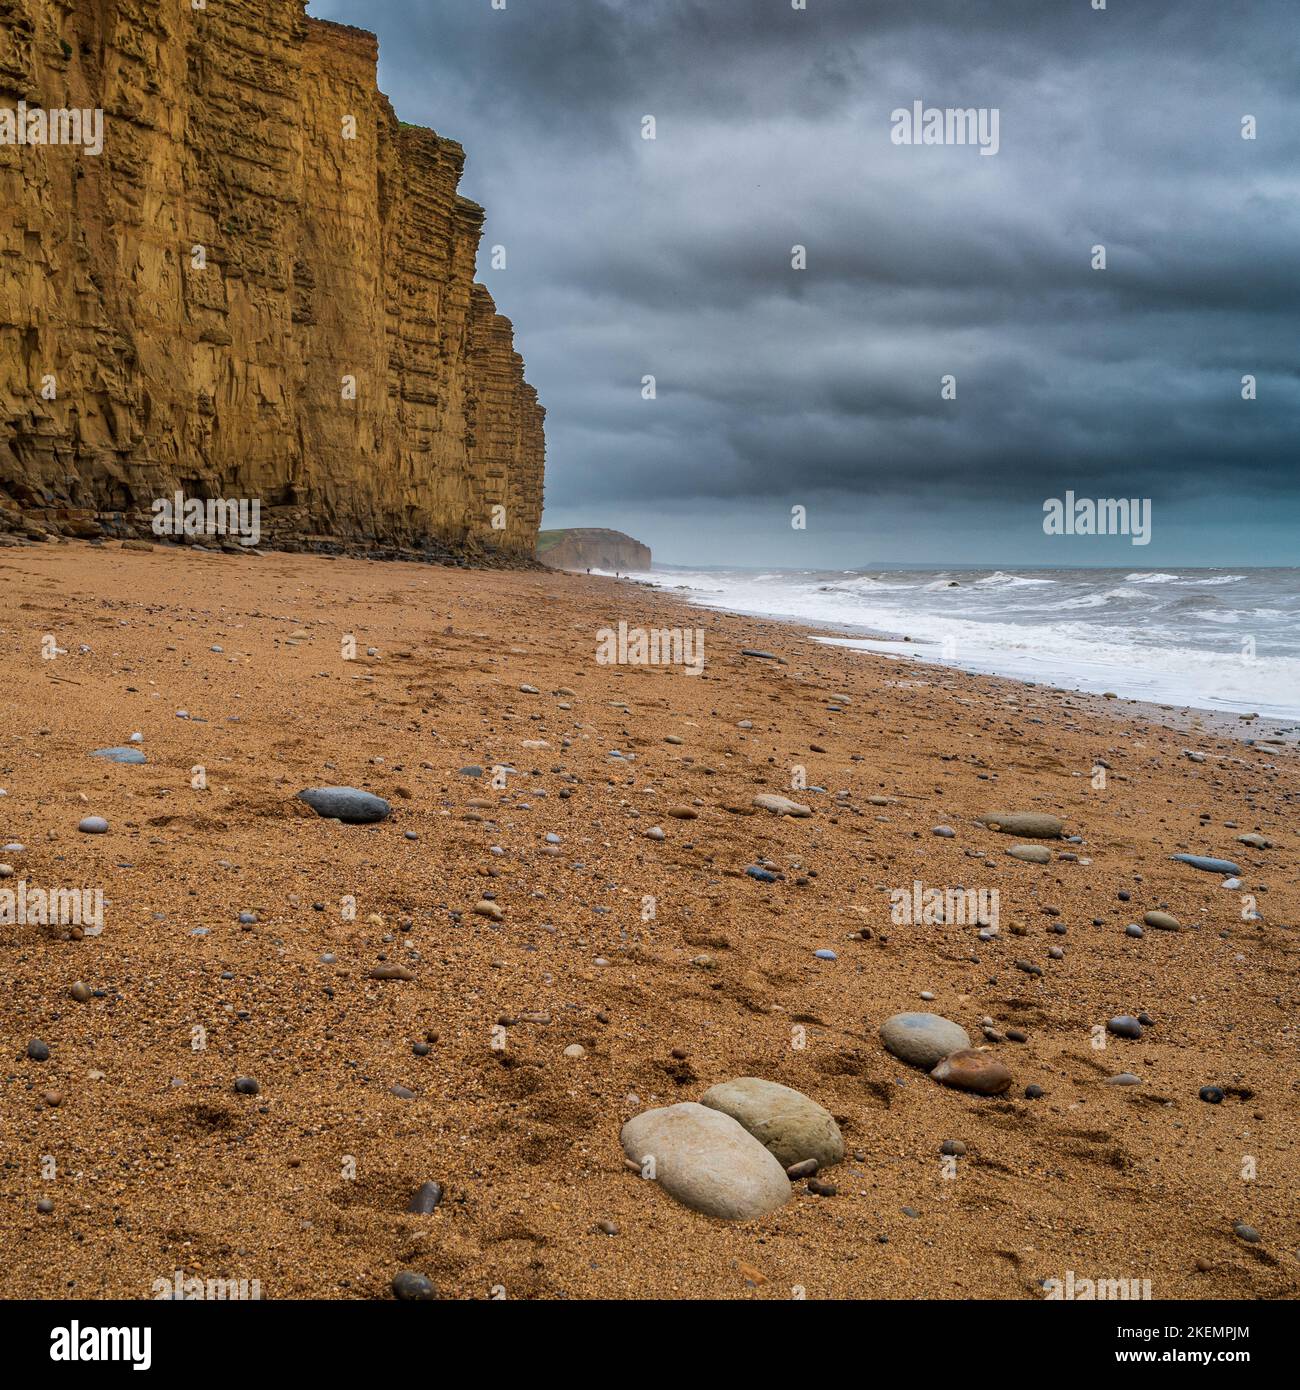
1124	1078
81	992
1255	841
1124	1026
780	805
607	1228
485	907
972	1070
426	1198
656	832
1031	854
246	1086
1212	1095
789	1124
391	972
825	954
411	1287
763	875
1246	1233
93	825
707	1161
1209	866
348	804
575	1050
38	1051
45	1206
1134	930
1036	825
945	832
953	1148
804	1169
120	755
1034	1092
922	1039
1162	921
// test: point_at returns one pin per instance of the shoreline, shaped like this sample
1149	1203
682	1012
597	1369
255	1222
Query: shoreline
1224	722
373	1080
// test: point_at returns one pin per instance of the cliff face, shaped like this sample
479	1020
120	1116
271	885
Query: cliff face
592	547
199	296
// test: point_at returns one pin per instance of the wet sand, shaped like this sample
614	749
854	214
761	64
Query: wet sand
160	1165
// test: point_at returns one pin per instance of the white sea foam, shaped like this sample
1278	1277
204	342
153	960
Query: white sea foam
1202	638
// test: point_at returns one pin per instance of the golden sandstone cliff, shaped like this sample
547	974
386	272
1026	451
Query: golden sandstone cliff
238	299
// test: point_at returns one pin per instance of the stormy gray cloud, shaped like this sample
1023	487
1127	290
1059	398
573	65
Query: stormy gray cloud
821	387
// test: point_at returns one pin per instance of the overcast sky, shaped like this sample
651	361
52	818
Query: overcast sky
821	388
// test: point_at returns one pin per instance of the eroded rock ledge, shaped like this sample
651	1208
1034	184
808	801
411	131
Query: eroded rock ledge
221	372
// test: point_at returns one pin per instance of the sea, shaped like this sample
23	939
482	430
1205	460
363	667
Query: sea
1215	639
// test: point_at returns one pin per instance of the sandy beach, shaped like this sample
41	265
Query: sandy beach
133	1133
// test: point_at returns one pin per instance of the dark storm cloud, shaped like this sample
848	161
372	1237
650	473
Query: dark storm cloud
776	386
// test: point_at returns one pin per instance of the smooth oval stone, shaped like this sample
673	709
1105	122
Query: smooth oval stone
1162	921
707	1161
1037	825
1134	930
413	1288
790	1125
426	1198
1125	1078
246	1086
922	1039
970	1070
825	954
120	755
348	804
953	1148
1255	841
1031	854
1209	866
1211	1095
93	825
1246	1233
1124	1026
780	805
763	875
944	832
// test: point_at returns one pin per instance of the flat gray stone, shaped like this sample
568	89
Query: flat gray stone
923	1040
346	804
1031	854
1162	921
1209	866
120	755
791	1126
1034	825
706	1161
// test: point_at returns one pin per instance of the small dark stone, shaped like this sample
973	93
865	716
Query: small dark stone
45	1206
1124	1026
821	1187
38	1051
246	1086
413	1288
1212	1095
426	1198
953	1148
1246	1233
805	1168
1033	1092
